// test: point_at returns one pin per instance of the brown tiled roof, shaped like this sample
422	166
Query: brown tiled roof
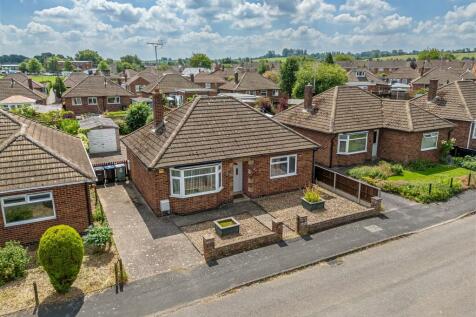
352	64
455	101
209	78
369	76
390	63
149	74
404	73
213	128
33	155
96	86
22	78
18	89
249	81
226	73
130	73
443	75
74	78
347	109
170	83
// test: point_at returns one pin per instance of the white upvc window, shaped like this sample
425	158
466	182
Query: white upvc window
92	100
28	208
138	88
474	129
114	100
208	85
263	92
352	143
360	74
195	181
275	92
77	101
283	166
429	141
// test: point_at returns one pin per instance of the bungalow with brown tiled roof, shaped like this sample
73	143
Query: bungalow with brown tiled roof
206	152
252	83
442	75
171	86
354	126
455	102
74	78
27	81
136	83
365	79
11	87
44	180
208	80
96	94
403	75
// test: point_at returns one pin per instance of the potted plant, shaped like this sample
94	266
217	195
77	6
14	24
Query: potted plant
312	198
227	226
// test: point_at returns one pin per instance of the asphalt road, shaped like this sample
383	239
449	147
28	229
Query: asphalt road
432	273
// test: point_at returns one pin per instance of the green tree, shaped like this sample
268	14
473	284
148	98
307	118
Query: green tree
323	77
23	66
200	60
343	57
52	64
263	67
329	59
59	87
88	55
103	66
68	66
34	66
287	74
133	60
61	252
136	116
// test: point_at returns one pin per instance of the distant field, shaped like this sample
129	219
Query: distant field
44	78
278	59
458	56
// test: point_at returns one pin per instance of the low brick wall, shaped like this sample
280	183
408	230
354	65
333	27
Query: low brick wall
211	252
304	228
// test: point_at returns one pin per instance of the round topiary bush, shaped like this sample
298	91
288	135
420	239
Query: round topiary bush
61	253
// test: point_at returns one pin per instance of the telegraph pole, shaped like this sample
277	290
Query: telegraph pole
158	44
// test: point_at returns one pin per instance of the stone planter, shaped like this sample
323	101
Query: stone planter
317	206
227	226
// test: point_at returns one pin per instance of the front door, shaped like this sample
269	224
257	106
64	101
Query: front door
237	177
375	144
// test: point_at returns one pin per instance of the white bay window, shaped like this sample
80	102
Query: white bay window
282	166
195	181
114	100
22	209
352	143
429	141
77	101
92	100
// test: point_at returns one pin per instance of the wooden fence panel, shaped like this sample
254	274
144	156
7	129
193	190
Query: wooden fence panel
325	176
347	185
367	192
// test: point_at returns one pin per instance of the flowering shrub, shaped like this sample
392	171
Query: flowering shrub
446	147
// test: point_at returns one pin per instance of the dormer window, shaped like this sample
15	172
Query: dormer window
360	73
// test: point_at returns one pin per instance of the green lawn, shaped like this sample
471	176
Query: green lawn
458	56
44	78
433	174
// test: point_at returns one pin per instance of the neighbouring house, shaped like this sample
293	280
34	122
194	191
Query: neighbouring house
44	180
442	75
365	79
253	83
103	134
15	102
74	78
11	87
27	81
386	66
208	80
455	102
81	65
139	81
353	126
403	75
209	151
96	94
169	85
189	71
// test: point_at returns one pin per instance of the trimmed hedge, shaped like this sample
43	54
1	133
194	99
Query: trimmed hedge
61	253
14	260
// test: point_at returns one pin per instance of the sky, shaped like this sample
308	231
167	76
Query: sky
234	28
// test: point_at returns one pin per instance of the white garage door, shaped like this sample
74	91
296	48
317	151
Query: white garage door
102	140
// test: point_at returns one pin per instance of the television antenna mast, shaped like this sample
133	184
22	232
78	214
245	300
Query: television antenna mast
158	44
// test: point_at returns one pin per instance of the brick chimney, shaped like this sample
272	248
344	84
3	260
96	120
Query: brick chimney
236	78
157	109
308	98
192	78
12	82
30	83
422	70
105	82
433	87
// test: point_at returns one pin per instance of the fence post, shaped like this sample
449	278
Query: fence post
116	275
121	276
429	189
469	179
358	196
335	179
35	291
451	182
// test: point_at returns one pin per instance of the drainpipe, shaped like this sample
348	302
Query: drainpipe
88	197
331	150
471	127
313	166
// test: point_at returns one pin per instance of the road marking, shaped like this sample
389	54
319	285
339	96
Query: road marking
373	228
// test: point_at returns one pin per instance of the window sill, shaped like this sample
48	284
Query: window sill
195	195
429	149
25	222
281	176
352	153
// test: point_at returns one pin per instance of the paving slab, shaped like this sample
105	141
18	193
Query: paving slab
147	244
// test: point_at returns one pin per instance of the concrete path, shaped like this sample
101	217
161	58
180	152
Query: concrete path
173	288
393	202
429	274
148	245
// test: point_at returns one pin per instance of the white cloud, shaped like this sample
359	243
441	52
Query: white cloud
462	13
347	18
366	7
313	10
250	15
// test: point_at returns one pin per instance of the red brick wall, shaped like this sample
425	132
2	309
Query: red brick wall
71	206
138	81
461	133
405	146
101	107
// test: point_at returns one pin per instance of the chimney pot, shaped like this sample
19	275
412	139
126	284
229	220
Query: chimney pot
236	77
308	97
192	78
157	109
30	83
433	87
105	82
